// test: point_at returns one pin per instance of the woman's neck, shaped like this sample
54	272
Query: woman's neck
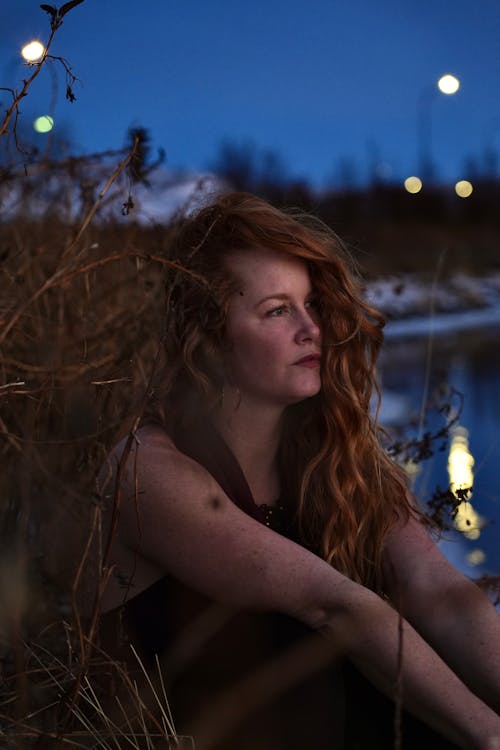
253	434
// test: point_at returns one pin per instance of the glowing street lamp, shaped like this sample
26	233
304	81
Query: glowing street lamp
33	51
448	84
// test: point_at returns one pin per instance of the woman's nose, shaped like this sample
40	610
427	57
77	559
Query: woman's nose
309	329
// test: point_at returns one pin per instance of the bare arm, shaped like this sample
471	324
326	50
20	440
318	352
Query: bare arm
191	530
448	610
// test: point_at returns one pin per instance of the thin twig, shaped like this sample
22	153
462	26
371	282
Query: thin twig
430	343
27	83
13	385
114	176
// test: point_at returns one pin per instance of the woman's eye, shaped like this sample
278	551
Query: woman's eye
277	312
312	304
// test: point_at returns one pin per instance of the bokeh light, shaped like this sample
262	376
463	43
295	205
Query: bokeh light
448	84
476	557
33	51
413	184
463	188
43	124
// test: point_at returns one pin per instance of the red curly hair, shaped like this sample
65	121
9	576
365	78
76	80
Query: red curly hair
346	491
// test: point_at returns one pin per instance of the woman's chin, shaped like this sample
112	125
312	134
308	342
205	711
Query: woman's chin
304	394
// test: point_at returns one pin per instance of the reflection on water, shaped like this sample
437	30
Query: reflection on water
470	363
461	477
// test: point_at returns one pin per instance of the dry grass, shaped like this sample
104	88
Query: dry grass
80	321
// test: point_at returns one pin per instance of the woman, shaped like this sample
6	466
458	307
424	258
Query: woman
261	485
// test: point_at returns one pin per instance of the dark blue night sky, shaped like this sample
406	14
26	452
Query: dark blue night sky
325	83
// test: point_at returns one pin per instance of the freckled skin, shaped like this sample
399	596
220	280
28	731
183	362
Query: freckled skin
272	323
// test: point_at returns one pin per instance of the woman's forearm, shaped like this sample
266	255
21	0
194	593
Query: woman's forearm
431	691
464	628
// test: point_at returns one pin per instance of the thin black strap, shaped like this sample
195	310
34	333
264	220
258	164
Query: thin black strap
201	442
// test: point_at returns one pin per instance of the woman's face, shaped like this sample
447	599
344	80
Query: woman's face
273	329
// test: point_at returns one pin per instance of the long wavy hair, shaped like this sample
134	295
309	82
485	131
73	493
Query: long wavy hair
346	492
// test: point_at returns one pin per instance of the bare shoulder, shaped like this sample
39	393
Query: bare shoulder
165	495
149	459
149	443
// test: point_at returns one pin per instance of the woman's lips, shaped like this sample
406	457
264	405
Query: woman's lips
312	360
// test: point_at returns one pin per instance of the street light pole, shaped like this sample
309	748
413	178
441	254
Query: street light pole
447	84
424	133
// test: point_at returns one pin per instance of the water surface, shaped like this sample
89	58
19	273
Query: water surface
414	370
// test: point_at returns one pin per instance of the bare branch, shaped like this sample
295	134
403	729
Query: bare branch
26	84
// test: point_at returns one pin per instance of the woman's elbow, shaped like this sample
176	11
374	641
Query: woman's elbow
344	616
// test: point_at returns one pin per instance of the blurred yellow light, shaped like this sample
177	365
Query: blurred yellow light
464	188
476	557
412	469
33	51
460	460
468	521
43	124
413	184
